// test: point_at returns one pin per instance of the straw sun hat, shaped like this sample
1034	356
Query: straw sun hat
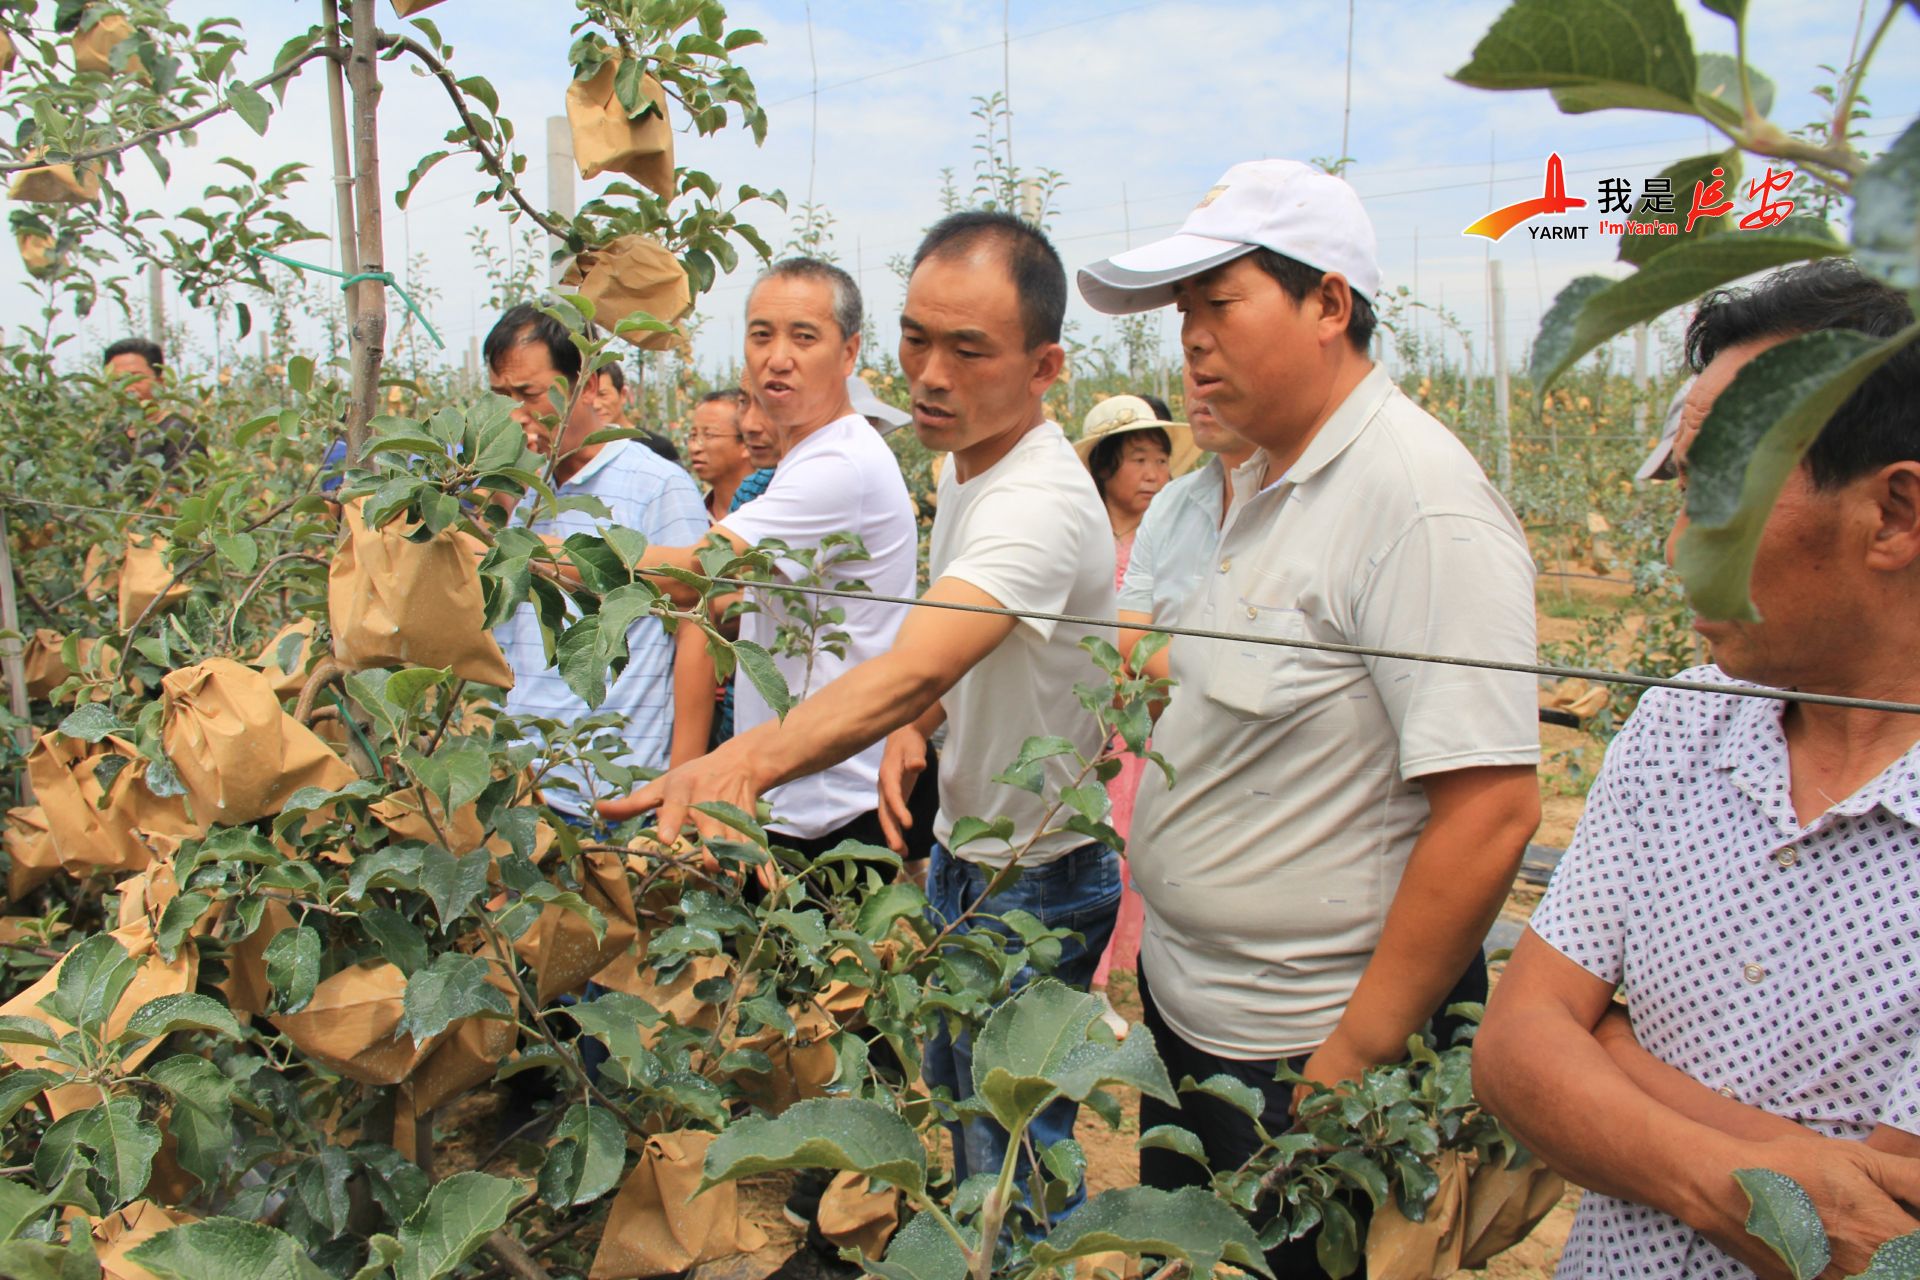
1117	415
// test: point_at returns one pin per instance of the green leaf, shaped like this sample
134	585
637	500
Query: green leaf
766	677
201	1122
92	979
382	1250
238	551
321	1182
177	920
1783	1218
1629	53
897	901
1035	1047
1886	213
454	986
399	940
17	1087
189	1012
1755	435
1364	1174
456	774
458	1216
16	1029
1189	1224
123	1146
1171	1137
19	1205
38	1260
1680	177
1234	1092
1337	1247
225	1249
453	883
1671	279
300	374
920	1251
967	830
1716	90
822	1133
92	722
293	966
420	170
1897	1259
587	1160
249	106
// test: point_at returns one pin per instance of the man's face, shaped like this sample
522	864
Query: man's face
612	400
715	451
757	434
1208	433
797	358
131	365
1253	353
526	376
1803	582
963	347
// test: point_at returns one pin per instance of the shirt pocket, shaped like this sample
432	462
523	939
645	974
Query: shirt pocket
1258	681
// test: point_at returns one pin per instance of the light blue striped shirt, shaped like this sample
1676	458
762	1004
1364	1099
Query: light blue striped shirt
646	493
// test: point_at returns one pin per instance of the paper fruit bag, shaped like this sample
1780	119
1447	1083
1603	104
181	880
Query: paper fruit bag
562	949
1400	1249
395	603
287	683
657	1226
37	253
632	275
853	1214
155	978
401	814
606	140
352	1025
246	988
119	1232
237	752
56	184
144	578
31	857
93	48
407	8
1504	1205
96	826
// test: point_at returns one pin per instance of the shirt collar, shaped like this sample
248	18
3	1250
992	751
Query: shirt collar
1754	753
601	459
1344	427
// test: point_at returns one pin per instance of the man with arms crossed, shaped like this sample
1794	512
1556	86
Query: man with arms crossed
1020	526
1343	830
1746	871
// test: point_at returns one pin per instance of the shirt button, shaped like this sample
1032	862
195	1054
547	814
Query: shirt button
1226	564
1252	612
1753	973
1788	857
1724	1091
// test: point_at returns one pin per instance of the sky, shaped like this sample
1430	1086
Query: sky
1138	107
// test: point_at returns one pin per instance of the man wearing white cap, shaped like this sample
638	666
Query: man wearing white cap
1343	829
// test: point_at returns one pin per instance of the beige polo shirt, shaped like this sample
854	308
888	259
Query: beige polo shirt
1268	866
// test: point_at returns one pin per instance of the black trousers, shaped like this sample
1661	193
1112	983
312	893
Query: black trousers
1227	1135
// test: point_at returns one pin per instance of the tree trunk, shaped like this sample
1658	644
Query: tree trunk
369	333
346	235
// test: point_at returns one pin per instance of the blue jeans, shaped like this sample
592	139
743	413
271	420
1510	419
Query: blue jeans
1081	892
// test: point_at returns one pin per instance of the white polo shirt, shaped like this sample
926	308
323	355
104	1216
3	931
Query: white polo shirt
1268	866
842	478
1031	532
1174	545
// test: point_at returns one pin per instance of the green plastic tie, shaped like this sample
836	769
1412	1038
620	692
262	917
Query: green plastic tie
348	281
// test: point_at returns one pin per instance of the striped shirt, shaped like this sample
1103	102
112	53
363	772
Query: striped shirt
648	494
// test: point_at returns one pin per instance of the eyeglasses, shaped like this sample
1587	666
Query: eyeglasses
710	437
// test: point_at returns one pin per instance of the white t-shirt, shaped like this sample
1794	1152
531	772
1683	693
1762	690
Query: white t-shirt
1031	532
1268	866
840	479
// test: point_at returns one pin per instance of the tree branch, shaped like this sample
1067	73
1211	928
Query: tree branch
197	118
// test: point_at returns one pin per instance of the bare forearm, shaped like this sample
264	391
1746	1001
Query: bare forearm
1674	1088
693	688
849	715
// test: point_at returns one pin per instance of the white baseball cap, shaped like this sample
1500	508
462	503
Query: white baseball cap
883	416
1283	205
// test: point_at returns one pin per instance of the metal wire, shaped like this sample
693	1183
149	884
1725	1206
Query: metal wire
1365	651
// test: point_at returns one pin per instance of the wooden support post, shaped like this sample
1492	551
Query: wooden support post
369	329
10	658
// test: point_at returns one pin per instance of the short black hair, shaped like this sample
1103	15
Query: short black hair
847	308
526	325
145	348
726	395
617	373
1296	279
1155	403
1039	281
1879	424
1104	458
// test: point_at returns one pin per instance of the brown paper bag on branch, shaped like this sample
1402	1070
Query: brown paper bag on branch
145	578
657	1226
401	814
407	8
56	184
95	827
561	946
37	253
93	48
287	683
154	978
1398	1249
606	140
246	988
99	575
1504	1205
395	603
352	1025
466	1057
32	859
853	1214
802	1066
237	752
631	275
116	1234
47	669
